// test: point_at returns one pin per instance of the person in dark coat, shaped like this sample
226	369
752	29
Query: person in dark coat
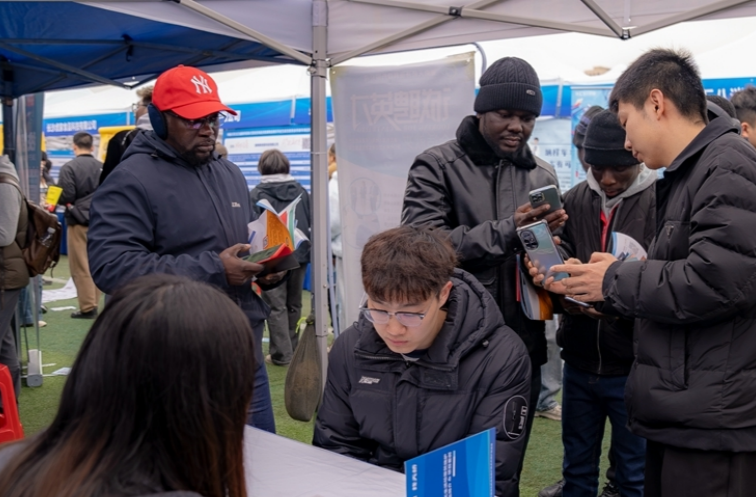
121	140
79	178
690	389
173	206
429	362
281	189
476	188
618	196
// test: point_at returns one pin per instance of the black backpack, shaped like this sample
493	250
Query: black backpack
41	248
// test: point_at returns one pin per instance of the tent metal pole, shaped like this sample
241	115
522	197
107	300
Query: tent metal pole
688	16
447	15
86	75
241	28
319	161
601	14
6	102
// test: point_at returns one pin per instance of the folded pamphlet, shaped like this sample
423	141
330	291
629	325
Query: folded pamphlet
627	248
462	469
535	302
273	238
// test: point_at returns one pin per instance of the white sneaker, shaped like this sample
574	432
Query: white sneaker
555	413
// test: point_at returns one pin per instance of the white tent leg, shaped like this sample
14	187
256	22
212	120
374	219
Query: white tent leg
319	162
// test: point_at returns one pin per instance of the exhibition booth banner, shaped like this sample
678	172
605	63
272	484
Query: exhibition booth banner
385	117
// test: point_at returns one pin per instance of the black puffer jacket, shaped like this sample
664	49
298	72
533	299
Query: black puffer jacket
462	186
379	408
603	346
693	384
280	194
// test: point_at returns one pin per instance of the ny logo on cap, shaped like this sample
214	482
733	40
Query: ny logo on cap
201	85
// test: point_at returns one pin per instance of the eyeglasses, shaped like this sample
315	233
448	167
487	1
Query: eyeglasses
213	120
135	107
378	316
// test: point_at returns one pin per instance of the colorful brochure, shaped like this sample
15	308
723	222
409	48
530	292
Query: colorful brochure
627	248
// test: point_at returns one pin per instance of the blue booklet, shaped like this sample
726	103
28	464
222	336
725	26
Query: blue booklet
461	469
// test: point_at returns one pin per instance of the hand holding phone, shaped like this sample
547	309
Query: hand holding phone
541	249
546	195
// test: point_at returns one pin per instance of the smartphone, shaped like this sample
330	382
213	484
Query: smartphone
578	302
539	244
546	195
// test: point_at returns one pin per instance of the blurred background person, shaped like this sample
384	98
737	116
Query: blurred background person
121	140
143	411
744	102
279	187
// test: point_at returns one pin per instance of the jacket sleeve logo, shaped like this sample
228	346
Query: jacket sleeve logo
515	417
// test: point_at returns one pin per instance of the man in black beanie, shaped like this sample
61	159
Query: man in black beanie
618	196
476	188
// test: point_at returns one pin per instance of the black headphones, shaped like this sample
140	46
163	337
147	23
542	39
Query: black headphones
159	126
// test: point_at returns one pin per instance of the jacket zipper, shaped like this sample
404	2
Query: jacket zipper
401	359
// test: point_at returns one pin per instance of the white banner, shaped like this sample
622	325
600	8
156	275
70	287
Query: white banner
384	117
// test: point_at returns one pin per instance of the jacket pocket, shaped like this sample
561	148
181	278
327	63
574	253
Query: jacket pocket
672	241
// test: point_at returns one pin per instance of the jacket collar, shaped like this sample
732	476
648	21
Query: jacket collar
716	128
473	143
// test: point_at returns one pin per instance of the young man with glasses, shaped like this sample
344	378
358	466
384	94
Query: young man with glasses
429	362
173	206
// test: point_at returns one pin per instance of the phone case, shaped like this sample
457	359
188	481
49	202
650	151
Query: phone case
540	247
546	195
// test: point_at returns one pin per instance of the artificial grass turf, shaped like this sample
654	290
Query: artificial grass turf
62	337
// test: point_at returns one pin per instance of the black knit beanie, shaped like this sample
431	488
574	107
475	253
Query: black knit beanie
605	142
512	84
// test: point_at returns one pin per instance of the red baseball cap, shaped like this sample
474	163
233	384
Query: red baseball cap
188	92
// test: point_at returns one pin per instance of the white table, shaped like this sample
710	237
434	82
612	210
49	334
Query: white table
280	467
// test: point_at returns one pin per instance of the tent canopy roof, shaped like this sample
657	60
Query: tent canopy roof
133	41
40	51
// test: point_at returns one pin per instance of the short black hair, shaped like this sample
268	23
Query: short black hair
83	140
273	161
744	102
673	72
723	104
407	264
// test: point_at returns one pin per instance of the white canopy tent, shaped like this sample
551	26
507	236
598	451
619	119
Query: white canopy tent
322	33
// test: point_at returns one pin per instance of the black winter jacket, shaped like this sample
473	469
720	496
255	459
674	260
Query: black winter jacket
281	194
158	214
603	346
463	187
78	178
693	384
379	408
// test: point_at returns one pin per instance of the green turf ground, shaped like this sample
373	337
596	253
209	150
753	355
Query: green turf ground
62	337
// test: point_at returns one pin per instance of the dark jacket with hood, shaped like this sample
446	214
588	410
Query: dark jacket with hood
604	346
383	409
158	214
693	382
463	187
79	178
280	191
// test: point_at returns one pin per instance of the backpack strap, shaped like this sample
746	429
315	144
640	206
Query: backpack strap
9	180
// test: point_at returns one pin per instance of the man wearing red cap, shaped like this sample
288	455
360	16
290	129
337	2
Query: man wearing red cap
174	206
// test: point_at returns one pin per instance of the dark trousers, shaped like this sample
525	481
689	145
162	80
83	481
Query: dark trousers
285	303
260	412
8	355
535	392
676	472
588	401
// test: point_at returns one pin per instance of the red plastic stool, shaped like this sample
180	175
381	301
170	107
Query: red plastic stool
10	424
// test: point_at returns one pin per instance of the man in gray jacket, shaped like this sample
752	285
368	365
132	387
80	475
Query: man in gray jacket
13	273
476	187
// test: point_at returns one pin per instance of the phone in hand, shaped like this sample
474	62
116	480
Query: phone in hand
541	249
546	195
578	302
